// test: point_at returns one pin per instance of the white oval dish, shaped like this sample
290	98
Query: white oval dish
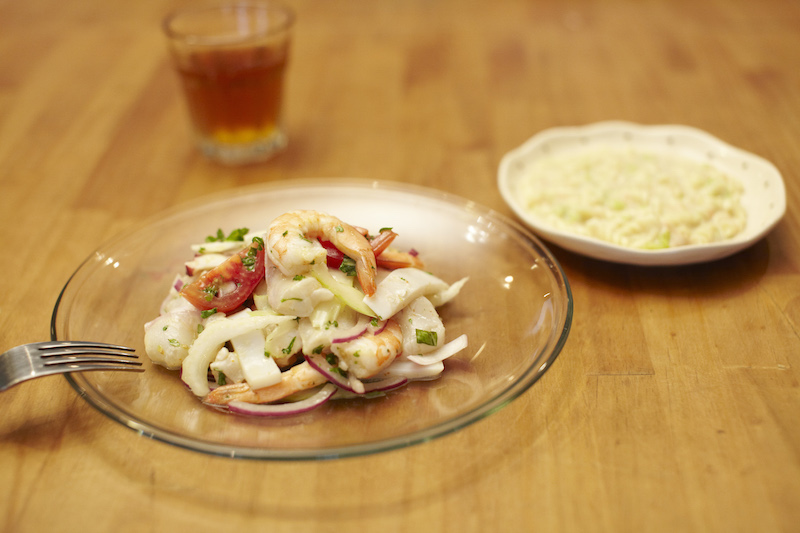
764	197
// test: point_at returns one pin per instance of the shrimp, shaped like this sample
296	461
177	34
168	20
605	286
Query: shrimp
368	355
298	378
390	258
293	248
393	259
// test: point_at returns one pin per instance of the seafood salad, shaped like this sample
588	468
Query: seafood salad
280	321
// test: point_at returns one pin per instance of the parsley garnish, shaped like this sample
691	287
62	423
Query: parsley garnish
236	235
211	292
288	349
348	266
208	313
427	337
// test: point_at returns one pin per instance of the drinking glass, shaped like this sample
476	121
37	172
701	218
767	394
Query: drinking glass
231	59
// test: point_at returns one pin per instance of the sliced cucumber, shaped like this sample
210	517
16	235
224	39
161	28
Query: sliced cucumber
347	294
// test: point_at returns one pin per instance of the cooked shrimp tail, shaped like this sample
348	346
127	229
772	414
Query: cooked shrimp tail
393	259
293	247
368	355
298	378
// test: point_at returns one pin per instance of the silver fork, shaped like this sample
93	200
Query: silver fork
39	359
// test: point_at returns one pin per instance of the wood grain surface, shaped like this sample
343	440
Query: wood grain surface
675	403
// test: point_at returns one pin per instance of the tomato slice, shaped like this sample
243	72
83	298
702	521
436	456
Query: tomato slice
379	244
228	285
335	257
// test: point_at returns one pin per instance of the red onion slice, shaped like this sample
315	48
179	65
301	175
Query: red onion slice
380	328
318	362
385	384
354	332
284	409
381	385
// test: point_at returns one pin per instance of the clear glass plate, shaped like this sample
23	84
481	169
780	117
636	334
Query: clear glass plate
516	310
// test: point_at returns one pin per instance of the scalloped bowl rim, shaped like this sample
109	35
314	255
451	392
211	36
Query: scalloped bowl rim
764	200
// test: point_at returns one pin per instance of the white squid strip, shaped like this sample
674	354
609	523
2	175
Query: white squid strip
440	354
216	333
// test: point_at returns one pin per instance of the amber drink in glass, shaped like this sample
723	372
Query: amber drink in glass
231	59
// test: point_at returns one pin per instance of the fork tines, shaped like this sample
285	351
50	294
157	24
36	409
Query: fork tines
89	355
73	347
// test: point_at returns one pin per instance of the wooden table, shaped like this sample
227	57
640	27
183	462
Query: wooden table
674	405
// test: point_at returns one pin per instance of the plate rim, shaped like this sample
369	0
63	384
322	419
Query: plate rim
501	399
598	249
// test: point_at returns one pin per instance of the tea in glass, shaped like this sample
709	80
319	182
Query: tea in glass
232	60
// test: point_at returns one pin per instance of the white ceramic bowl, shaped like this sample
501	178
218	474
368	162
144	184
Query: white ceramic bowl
764	197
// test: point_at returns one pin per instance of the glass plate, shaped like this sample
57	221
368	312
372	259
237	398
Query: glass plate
516	310
764	198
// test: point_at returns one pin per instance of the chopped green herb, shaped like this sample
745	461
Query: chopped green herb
318	349
211	292
348	266
200	328
298	277
288	349
339	229
384	229
174	342
374	322
164	328
208	313
222	379
236	235
427	337
249	262
216	238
